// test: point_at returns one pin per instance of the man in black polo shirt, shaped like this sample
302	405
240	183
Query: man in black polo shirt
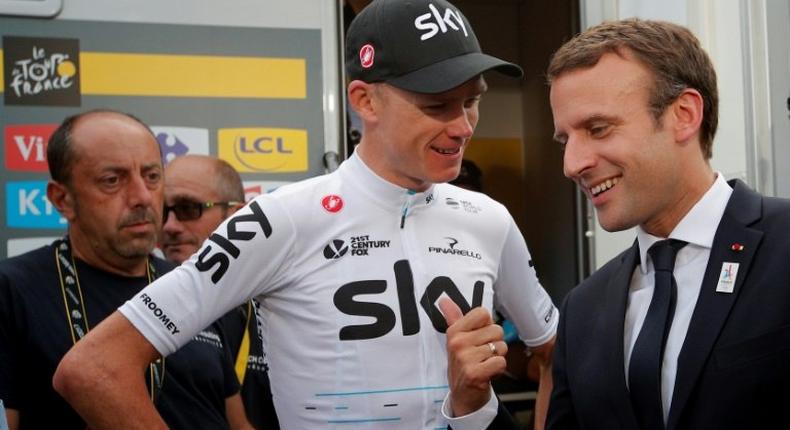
107	182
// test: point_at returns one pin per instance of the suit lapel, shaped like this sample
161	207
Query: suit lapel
616	301
712	308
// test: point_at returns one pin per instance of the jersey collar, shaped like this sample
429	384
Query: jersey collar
381	191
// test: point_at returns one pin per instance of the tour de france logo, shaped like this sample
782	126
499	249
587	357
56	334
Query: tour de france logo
41	71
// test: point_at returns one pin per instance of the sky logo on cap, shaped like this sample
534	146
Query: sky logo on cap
27	206
264	150
366	55
178	141
451	19
26	147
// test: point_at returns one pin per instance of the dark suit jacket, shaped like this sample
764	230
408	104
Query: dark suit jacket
734	366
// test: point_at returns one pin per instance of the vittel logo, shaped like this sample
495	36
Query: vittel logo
433	22
26	146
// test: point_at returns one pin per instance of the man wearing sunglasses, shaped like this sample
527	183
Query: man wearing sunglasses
200	193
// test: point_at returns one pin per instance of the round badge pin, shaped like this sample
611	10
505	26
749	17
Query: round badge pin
332	203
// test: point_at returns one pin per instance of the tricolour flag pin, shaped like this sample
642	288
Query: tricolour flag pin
737	247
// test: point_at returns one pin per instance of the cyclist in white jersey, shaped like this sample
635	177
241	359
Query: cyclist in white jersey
349	268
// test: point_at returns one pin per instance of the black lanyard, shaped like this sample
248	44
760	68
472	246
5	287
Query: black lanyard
75	306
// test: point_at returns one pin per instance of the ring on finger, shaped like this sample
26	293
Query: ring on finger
492	347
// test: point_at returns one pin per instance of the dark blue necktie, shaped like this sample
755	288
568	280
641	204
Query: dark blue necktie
644	370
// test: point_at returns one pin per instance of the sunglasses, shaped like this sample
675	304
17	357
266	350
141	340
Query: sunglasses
189	211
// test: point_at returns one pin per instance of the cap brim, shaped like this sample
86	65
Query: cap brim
452	72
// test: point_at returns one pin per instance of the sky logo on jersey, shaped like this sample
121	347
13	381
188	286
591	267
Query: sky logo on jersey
41	71
178	141
264	150
27	206
26	147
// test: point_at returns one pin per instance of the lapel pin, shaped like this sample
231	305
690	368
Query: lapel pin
737	247
727	277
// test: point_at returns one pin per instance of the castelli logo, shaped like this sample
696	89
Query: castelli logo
332	203
366	54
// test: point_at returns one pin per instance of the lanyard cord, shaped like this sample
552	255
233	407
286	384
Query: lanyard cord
74	305
242	357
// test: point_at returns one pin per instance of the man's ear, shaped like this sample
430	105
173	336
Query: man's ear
363	98
687	111
63	200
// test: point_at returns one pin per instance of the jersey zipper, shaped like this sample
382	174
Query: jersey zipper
405	209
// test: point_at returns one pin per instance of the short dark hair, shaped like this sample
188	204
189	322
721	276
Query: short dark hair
671	53
60	153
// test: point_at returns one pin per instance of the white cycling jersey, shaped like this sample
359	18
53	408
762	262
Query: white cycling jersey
348	269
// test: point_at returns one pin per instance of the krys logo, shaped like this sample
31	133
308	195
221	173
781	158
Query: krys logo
41	71
266	150
26	147
27	206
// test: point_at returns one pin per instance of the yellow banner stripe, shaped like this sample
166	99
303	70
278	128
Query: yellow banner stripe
121	74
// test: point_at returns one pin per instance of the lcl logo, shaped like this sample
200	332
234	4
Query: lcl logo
268	150
263	145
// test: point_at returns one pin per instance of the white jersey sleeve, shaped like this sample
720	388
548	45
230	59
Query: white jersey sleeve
519	295
247	255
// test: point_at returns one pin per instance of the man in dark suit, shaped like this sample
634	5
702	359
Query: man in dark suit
690	327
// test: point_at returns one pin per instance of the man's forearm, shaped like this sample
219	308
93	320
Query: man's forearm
544	355
103	377
114	404
12	418
544	393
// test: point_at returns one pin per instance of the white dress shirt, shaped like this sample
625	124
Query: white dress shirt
478	419
697	228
